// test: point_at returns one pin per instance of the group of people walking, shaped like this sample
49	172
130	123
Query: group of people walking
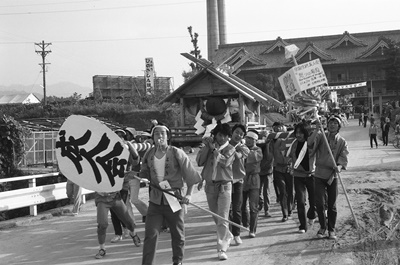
374	129
237	171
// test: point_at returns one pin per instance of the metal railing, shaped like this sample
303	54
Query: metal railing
34	195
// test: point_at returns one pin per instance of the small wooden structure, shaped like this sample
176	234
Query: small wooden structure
213	84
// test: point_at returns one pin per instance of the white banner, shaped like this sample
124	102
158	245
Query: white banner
91	155
149	75
302	77
346	86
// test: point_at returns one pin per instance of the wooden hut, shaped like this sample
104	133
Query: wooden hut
210	96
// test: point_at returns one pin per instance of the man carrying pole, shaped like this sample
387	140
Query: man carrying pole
331	156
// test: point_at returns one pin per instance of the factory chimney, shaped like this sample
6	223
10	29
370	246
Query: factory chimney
216	26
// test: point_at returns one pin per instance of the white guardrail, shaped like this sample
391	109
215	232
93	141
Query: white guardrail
32	196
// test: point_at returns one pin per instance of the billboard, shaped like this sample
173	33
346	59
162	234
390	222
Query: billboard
149	75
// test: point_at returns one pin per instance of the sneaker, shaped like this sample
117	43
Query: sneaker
267	214
284	219
116	238
332	235
222	255
311	222
321	233
302	231
238	240
252	235
101	254
126	233
135	238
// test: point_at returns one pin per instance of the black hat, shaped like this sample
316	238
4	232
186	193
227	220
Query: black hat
277	123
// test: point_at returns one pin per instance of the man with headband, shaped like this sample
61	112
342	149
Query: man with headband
166	166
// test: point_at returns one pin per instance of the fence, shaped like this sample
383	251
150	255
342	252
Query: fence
34	195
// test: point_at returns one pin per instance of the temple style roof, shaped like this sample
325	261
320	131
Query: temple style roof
347	40
277	46
379	47
212	74
331	50
311	52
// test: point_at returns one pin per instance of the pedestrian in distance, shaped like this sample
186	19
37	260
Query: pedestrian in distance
216	157
238	170
365	119
326	170
303	170
373	132
251	184
361	119
385	132
371	119
167	168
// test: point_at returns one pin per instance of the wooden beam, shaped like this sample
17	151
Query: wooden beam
182	106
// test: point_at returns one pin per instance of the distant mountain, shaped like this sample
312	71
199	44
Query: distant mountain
62	89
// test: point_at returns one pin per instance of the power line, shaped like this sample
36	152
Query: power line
179	37
47	4
98	9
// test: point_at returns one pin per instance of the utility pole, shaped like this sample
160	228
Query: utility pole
43	52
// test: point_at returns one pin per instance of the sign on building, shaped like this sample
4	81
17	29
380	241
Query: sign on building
149	75
302	77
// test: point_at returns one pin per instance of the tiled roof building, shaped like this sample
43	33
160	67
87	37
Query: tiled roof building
346	58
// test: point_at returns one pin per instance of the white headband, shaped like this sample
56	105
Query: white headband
335	118
252	135
159	126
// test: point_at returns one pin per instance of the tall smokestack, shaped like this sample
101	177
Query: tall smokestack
212	28
222	21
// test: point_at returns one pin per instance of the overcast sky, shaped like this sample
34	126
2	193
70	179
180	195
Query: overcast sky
113	37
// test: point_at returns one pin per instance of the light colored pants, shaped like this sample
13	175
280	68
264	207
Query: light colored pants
219	199
134	186
74	194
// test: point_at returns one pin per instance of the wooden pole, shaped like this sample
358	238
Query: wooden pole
337	174
195	205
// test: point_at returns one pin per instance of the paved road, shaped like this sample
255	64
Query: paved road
67	240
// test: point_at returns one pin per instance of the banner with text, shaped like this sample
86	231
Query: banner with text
91	155
346	86
149	75
302	77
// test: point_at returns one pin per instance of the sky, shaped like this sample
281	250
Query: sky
113	37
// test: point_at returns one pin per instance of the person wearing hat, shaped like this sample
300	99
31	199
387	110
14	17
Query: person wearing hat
326	168
216	157
165	165
251	183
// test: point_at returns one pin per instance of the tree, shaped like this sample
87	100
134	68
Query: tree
392	68
195	68
11	145
269	85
